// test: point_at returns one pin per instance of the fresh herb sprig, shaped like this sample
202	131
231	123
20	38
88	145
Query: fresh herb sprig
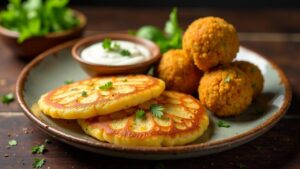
223	124
170	38
140	114
37	17
38	163
106	86
7	98
111	46
39	149
157	110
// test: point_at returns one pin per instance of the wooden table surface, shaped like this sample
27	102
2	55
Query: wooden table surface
275	33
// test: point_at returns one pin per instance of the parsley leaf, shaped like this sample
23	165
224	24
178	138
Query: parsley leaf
125	52
84	94
8	98
106	44
157	110
223	124
38	163
69	82
111	46
140	114
39	149
106	86
12	142
227	79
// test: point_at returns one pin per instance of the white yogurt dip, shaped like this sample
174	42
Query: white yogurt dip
95	53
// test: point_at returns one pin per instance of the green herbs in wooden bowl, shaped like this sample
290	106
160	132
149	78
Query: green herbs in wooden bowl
32	26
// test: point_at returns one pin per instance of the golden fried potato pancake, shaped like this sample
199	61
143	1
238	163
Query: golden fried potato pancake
99	96
183	120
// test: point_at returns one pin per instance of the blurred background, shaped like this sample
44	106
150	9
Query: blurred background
188	3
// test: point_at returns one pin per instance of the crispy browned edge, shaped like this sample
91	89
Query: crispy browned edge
153	150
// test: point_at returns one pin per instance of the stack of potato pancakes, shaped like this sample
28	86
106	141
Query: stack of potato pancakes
131	110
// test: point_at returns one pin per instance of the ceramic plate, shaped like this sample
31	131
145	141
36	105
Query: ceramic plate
53	67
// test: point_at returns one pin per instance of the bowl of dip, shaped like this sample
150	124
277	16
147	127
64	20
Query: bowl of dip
109	54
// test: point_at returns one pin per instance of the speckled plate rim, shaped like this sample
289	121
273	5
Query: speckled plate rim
213	145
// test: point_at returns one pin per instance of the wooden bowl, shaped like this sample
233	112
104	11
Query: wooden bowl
94	69
36	45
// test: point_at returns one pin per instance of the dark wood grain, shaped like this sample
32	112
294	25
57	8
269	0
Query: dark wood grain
277	149
245	20
275	33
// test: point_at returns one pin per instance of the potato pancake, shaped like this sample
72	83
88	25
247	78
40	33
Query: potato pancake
183	119
99	96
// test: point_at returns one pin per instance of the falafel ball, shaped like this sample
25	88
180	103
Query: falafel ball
225	91
179	72
253	73
211	41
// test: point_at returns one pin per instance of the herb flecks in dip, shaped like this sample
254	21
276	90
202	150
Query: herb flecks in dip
115	52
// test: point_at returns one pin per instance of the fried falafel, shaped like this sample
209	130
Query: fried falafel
211	41
253	73
225	91
179	72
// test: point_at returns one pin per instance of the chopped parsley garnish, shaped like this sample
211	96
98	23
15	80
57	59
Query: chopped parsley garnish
39	149
38	163
69	82
223	124
106	44
12	142
140	114
125	52
84	94
106	86
157	110
227	79
8	98
111	46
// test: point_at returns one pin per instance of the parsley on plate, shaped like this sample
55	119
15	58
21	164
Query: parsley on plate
106	86
157	110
